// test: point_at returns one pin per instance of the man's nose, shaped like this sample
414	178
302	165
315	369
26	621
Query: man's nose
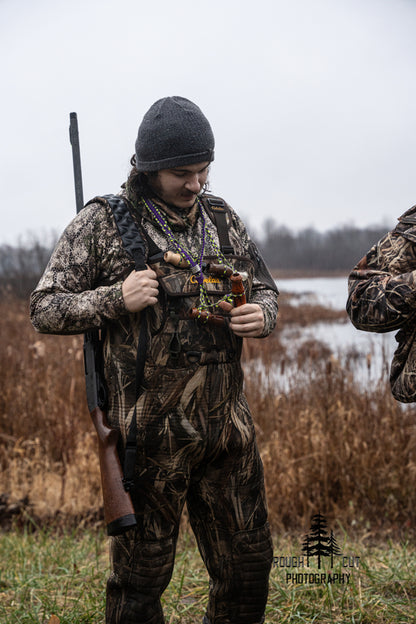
193	184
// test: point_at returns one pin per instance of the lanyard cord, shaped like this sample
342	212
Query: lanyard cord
195	265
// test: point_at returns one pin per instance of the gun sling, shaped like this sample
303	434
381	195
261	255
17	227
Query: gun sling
134	245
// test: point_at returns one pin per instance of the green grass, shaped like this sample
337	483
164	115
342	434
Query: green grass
381	589
63	574
44	574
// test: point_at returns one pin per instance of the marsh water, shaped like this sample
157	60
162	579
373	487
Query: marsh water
368	354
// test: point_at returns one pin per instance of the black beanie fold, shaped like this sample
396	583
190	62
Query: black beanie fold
174	132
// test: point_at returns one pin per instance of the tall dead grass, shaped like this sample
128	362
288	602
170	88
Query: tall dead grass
47	447
327	443
331	446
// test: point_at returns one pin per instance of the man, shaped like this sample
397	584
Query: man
382	298
195	436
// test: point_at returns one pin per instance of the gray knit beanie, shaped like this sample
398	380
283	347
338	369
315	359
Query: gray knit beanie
174	132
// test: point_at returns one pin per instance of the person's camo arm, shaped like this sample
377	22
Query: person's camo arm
382	286
264	290
81	286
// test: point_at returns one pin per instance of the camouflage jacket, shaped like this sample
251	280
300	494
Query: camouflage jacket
81	289
382	298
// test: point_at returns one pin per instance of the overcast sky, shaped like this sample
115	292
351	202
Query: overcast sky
312	103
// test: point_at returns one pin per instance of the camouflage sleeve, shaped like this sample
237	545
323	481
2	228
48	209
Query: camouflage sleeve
381	288
264	291
81	286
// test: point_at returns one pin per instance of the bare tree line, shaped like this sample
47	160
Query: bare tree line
340	249
21	265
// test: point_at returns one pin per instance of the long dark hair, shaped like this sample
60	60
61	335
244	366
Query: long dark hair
138	182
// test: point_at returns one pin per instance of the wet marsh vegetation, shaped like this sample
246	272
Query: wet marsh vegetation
328	443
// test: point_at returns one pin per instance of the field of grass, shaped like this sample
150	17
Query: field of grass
55	577
327	443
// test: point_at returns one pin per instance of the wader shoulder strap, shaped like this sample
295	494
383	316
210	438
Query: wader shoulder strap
219	215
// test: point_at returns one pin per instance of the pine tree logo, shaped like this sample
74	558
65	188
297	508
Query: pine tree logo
318	543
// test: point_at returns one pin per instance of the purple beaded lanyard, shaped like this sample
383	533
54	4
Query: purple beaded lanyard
194	265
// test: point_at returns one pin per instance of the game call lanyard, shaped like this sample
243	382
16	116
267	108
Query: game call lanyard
195	265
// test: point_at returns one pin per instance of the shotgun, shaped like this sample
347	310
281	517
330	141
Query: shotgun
118	508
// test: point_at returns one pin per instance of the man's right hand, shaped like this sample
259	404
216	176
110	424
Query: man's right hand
140	289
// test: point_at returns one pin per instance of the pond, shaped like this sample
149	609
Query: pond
331	292
370	352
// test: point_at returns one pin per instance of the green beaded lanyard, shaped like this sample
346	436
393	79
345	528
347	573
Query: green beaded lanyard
195	265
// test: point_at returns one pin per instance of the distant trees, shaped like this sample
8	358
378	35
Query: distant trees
22	265
336	249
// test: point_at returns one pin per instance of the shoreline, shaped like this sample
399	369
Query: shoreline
306	273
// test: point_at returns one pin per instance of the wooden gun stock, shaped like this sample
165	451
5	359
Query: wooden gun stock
118	508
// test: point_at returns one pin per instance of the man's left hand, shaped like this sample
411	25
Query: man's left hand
246	321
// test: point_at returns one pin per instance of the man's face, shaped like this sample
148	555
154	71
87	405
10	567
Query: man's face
181	185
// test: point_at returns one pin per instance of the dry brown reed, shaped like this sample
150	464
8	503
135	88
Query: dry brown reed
47	448
327	444
330	442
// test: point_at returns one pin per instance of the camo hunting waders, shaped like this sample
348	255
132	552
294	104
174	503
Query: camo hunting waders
196	445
